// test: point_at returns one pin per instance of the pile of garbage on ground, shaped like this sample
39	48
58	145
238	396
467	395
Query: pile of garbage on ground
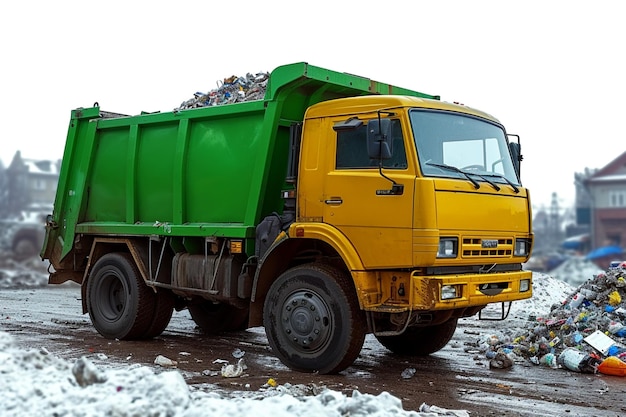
233	89
584	333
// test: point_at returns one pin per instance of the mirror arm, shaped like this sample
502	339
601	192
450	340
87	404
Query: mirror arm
396	189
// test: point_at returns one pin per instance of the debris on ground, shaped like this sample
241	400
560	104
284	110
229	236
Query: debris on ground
568	336
500	361
233	89
234	370
165	362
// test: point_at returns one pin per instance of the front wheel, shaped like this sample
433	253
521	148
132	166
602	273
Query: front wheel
312	319
420	341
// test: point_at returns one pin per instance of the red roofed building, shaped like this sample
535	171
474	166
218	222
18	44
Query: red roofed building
607	188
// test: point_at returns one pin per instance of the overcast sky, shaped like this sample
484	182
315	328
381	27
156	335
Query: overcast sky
551	71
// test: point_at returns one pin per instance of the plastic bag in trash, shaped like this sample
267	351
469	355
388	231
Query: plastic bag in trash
612	366
549	359
500	361
578	361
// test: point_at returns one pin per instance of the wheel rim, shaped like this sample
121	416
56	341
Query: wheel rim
306	321
113	297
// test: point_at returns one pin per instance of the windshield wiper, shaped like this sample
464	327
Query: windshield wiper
455	169
483	176
493	184
515	189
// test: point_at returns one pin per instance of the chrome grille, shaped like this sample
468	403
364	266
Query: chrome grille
473	247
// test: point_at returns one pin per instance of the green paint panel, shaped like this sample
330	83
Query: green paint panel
107	183
220	160
154	169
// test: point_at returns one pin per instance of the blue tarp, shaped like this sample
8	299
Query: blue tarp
605	251
576	242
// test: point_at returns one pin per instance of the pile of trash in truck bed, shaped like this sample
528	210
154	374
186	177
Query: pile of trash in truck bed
233	89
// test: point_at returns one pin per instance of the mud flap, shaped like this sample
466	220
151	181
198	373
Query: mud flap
268	230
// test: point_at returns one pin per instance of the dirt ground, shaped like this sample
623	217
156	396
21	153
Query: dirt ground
453	378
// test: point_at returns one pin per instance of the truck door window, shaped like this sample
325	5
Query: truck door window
352	149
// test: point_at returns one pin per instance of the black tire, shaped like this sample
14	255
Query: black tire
213	318
120	304
420	341
312	319
163	309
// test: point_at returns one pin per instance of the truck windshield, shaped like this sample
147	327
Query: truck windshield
455	146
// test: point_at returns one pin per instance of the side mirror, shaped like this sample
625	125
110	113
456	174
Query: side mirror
379	140
516	155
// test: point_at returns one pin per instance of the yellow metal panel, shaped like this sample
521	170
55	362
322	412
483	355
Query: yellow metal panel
484	209
428	289
425	245
311	178
330	235
354	105
379	226
367	286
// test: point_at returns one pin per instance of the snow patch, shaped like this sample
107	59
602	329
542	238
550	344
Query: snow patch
36	383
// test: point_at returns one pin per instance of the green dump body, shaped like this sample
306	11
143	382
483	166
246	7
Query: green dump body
212	171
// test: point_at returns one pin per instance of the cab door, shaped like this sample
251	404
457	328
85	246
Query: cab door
358	200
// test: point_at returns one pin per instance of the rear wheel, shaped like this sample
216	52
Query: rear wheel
120	304
312	319
420	341
163	309
214	318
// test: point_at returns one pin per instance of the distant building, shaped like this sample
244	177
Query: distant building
607	191
32	183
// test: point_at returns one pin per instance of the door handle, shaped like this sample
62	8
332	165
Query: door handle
335	201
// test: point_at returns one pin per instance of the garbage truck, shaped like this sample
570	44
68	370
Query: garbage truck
335	207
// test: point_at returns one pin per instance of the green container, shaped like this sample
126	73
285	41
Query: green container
213	171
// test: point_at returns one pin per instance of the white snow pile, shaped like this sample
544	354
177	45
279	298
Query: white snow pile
576	270
36	383
547	291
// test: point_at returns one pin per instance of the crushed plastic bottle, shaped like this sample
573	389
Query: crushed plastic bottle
576	301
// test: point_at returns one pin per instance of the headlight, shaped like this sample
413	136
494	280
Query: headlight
448	247
522	247
524	285
449	292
